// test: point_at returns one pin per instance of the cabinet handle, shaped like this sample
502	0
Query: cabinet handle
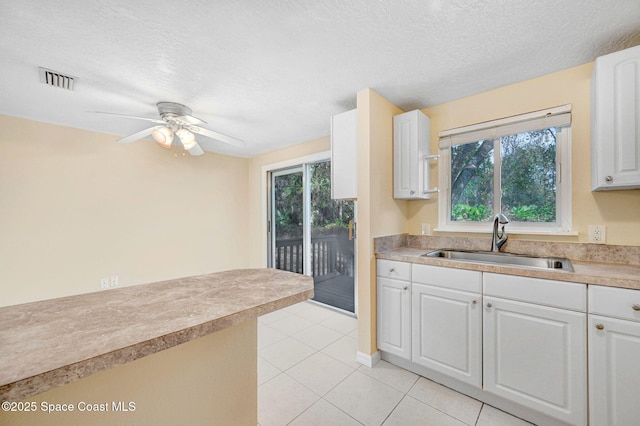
600	326
489	305
473	302
405	288
608	179
636	307
392	270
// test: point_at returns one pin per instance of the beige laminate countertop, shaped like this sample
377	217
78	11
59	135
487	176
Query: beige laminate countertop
606	274
53	342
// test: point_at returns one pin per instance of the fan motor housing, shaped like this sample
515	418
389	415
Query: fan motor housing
170	110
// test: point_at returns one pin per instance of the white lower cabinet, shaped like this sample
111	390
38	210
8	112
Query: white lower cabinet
535	354
447	322
614	356
517	342
394	308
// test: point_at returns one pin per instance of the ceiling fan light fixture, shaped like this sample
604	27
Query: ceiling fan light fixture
163	135
187	138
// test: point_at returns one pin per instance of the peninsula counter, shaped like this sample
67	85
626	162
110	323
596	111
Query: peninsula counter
181	351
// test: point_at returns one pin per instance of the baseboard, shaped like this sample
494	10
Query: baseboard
368	360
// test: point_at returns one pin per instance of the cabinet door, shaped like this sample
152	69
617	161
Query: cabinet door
344	155
447	331
394	317
615	136
536	356
614	372
410	145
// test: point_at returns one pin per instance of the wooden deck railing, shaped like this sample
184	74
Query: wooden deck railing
329	258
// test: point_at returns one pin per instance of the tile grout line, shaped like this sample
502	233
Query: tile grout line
320	323
358	368
479	412
305	358
322	397
394	409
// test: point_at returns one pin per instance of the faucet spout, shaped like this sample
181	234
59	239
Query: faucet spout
499	237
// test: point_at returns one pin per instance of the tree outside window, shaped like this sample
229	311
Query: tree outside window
513	174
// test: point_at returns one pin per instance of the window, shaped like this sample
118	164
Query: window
518	166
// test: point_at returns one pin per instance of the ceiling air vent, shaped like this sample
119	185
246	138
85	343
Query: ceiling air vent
56	79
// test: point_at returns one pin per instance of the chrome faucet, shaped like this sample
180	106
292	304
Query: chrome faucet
499	238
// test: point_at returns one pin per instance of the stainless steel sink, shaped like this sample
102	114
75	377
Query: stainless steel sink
557	263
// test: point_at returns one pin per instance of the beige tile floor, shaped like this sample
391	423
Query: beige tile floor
308	375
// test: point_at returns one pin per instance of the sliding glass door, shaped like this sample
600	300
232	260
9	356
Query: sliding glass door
313	234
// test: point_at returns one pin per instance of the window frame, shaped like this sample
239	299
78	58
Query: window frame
562	226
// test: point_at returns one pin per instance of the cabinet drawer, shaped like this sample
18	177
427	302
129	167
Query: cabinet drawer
455	279
614	302
558	294
394	269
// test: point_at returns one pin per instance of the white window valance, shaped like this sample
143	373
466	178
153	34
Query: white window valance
553	117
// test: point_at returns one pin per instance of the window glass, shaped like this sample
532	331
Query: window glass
526	188
472	182
528	176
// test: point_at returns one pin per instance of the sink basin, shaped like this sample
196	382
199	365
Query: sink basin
557	263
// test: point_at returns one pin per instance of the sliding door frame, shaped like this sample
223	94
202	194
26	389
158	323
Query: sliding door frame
267	202
306	234
285	167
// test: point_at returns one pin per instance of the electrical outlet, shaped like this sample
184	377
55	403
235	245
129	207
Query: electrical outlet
114	281
104	283
597	234
426	229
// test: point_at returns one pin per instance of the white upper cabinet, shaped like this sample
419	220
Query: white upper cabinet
344	155
410	156
615	121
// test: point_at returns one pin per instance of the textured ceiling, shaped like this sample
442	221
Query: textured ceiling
273	72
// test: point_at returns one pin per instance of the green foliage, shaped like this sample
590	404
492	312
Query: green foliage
467	213
472	174
527	176
326	214
533	214
288	205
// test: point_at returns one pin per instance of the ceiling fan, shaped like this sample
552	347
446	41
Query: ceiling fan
176	120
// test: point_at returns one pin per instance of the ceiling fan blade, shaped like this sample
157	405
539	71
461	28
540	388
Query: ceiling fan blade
196	150
189	119
137	136
153	120
217	136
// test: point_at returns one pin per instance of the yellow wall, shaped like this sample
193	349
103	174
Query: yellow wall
618	210
378	213
77	206
208	381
